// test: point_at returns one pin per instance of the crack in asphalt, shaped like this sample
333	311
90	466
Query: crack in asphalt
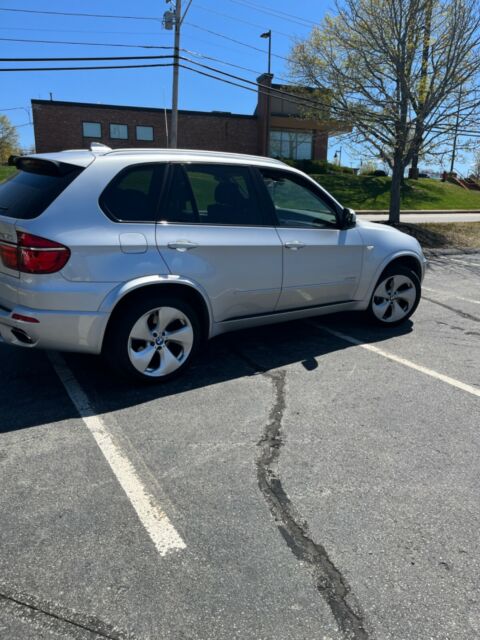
463	314
329	581
79	621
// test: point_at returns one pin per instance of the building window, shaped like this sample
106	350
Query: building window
144	133
119	131
92	129
296	145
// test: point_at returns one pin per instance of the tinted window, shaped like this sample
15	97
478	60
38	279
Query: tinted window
27	194
296	202
213	194
179	206
91	130
144	133
133	195
119	132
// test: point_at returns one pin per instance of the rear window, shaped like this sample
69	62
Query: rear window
27	194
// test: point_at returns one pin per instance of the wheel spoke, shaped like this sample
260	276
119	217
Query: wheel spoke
397	312
142	359
141	330
408	295
381	308
381	291
400	281
166	315
183	336
168	362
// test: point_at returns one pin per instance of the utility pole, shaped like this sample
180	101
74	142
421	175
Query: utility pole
176	69
268	34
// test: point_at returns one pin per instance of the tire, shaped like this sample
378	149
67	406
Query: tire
395	296
153	339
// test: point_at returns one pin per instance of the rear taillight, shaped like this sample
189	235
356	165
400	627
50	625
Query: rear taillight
9	255
33	254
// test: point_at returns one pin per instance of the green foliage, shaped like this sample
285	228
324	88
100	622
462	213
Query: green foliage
8	139
6	172
369	192
317	166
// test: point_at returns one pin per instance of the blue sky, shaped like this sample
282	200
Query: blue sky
241	20
144	87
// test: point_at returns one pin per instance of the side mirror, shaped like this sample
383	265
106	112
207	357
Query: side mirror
349	218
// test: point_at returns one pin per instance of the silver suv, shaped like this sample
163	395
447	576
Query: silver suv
140	254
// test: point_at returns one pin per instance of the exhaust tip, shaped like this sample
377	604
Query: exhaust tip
22	336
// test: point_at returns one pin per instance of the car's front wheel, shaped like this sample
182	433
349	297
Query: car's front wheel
153	339
395	297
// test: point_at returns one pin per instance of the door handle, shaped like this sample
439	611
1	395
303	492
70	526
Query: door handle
294	244
182	245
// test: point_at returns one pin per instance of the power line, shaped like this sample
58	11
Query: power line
84	15
228	64
93	44
90	68
125	33
138	46
244	44
242	20
86	59
275	13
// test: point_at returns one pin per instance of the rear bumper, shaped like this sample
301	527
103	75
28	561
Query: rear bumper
62	330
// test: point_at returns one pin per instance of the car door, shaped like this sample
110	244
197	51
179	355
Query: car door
212	231
321	262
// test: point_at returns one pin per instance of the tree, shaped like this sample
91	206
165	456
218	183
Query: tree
394	69
8	139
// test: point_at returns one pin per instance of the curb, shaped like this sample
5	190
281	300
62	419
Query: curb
454	251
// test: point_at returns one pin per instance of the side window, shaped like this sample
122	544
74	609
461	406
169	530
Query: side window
296	202
179	205
214	194
133	194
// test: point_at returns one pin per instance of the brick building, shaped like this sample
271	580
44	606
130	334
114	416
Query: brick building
73	125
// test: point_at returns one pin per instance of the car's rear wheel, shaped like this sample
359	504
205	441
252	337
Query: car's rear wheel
395	297
154	339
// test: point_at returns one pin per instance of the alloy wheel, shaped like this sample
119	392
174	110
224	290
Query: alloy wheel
394	298
160	341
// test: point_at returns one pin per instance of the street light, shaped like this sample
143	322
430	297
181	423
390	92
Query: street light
268	34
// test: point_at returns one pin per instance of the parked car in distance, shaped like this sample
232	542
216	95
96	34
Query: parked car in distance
141	254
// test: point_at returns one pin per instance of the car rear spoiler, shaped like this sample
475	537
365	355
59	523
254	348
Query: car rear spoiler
43	166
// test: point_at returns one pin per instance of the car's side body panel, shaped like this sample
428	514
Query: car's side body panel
244	275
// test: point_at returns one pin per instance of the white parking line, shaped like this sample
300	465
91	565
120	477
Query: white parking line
448	295
158	526
407	363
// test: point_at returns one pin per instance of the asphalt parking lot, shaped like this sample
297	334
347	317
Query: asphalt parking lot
313	480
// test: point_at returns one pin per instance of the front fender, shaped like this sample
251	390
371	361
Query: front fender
384	264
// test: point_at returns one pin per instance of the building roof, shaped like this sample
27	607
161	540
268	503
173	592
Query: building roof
161	110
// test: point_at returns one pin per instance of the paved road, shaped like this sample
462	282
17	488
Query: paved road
323	477
424	217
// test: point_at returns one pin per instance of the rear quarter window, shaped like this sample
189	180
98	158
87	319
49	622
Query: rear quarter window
133	195
26	194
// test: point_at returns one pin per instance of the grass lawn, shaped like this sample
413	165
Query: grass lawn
5	172
453	235
369	192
